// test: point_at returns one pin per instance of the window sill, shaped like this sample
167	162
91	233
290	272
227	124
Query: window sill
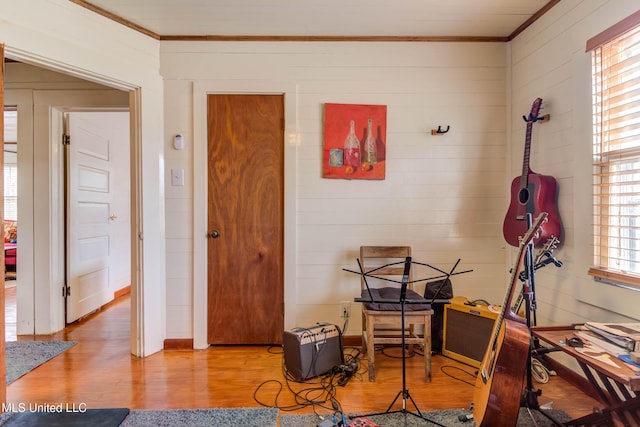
615	278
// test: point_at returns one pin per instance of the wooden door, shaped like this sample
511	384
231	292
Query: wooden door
245	250
3	365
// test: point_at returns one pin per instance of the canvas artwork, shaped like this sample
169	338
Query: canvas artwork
354	141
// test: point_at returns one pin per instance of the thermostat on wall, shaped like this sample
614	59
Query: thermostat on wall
178	143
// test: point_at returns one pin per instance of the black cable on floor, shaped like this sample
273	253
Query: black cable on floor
320	393
443	369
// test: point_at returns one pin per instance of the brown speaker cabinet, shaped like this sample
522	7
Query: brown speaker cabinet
467	330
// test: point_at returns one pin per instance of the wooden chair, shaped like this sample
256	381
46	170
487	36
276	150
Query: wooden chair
381	323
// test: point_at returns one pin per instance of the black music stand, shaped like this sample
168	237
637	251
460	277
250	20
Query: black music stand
403	301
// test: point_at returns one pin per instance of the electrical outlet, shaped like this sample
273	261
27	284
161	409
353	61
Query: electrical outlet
345	309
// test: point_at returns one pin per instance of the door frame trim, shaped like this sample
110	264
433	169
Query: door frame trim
3	364
23	99
137	337
49	261
201	89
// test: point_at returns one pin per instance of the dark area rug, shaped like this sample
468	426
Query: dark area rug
24	356
448	418
67	417
240	417
114	417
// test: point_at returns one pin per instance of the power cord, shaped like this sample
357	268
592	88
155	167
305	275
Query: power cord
475	302
444	369
384	349
539	372
320	393
345	325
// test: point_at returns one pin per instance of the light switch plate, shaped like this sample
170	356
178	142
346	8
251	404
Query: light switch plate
177	177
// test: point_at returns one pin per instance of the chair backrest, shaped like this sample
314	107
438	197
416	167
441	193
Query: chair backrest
372	257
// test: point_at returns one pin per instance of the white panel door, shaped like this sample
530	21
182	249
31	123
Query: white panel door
90	204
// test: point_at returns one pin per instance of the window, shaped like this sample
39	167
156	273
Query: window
10	190
616	152
10	163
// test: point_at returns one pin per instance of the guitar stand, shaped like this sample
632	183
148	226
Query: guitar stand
529	398
404	393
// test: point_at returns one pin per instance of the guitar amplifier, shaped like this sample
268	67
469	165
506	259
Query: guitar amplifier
467	331
314	351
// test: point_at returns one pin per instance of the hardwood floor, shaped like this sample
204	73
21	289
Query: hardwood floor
100	372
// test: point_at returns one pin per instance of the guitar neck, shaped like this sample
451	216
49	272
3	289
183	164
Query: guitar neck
525	244
506	306
526	157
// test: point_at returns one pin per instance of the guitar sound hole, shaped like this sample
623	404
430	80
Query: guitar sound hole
523	196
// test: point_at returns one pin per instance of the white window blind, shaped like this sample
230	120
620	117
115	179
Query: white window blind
10	192
616	156
10	163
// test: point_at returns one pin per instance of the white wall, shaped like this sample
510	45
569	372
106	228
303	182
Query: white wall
443	195
549	61
71	39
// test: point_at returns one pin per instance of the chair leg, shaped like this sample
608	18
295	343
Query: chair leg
371	350
427	348
411	334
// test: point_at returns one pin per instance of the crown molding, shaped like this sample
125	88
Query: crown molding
421	39
319	38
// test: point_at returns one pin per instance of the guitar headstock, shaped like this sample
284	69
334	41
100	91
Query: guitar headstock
534	229
535	111
536	107
550	245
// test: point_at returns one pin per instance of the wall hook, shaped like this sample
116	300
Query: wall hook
533	119
440	131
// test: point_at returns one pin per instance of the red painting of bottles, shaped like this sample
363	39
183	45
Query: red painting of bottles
354	141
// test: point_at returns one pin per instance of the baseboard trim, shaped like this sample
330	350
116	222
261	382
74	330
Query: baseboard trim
352	340
178	344
122	292
187	343
117	294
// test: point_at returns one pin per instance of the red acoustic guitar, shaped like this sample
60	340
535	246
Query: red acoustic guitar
499	385
532	193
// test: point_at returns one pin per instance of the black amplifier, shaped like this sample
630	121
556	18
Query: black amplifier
310	352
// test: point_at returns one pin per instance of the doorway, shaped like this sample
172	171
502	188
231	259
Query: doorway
10	219
41	267
245	249
144	340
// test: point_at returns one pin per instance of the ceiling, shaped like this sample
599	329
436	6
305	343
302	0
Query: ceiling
406	19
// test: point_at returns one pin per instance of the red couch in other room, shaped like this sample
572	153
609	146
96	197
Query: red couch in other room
10	245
